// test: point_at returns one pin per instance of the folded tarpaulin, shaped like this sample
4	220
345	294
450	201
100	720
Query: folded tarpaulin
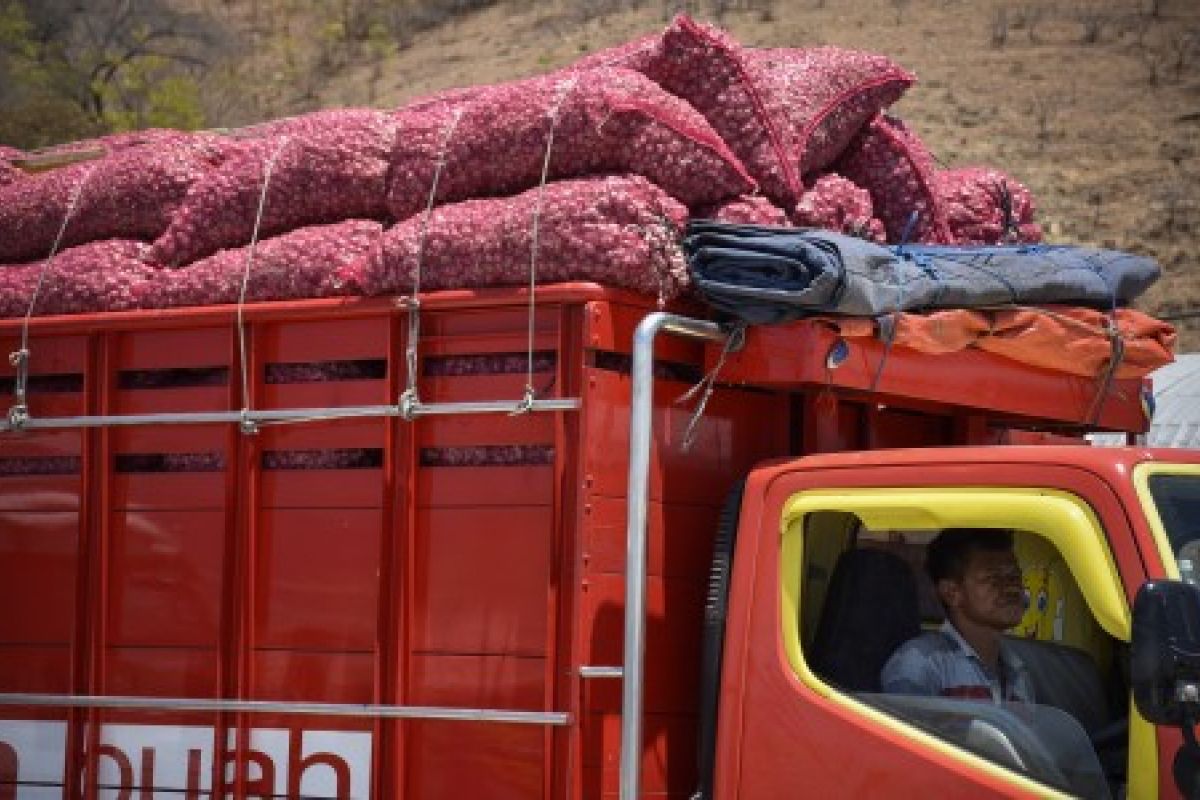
765	274
1078	341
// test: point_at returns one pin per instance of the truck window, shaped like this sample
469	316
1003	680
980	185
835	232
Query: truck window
871	592
1176	498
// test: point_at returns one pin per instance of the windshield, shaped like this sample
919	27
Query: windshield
1177	499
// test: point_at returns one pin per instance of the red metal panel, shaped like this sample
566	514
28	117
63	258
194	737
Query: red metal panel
165	571
736	430
57	357
674	615
477	681
358	487
451	487
339	676
484	322
146	489
317	579
38	558
477	430
481	576
161	671
888	428
34	668
686	552
291	344
793	355
668	756
457	759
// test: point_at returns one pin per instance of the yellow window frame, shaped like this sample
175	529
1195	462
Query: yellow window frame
1142	473
1060	517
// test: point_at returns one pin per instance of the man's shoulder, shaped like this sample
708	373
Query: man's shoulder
927	644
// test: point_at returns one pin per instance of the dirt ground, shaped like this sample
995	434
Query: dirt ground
1096	107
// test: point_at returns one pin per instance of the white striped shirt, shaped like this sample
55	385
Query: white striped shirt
942	664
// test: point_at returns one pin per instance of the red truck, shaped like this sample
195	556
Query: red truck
293	550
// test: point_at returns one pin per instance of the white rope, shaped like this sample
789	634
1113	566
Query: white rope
735	340
247	425
409	398
19	412
564	88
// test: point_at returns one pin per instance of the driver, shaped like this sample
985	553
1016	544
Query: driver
978	581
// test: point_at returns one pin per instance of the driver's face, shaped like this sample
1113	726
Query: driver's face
990	592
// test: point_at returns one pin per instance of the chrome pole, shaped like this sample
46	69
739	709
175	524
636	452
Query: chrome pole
641	410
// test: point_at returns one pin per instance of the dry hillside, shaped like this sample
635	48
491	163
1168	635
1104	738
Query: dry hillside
1095	106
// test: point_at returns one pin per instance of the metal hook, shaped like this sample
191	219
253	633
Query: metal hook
246	425
525	404
407	406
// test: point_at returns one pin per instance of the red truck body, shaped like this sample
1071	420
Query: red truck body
452	562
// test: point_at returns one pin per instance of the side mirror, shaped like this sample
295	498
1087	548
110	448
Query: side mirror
1165	653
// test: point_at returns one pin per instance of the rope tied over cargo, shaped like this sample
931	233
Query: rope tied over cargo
246	424
1117	343
733	342
18	413
563	90
410	398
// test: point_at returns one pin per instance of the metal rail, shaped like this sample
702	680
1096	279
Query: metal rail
554	718
261	416
592	672
640	438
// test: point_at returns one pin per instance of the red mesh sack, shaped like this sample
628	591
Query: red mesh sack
129	194
891	163
821	97
609	121
618	231
329	166
784	112
835	203
984	206
751	210
638	54
111	143
98	276
294	265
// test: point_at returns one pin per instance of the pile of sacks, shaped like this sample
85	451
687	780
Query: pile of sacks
587	173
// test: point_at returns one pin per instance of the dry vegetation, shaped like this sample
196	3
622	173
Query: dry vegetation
1095	106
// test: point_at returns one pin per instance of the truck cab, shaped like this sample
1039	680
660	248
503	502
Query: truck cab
827	582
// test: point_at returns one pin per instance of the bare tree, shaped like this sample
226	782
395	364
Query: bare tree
98	54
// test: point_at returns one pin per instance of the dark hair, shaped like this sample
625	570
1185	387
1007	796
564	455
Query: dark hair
947	554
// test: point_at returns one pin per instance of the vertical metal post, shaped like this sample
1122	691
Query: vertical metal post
641	410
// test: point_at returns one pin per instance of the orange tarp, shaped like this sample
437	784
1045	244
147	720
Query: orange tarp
1069	339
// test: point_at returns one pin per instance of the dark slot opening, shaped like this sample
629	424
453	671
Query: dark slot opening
45	384
344	458
489	364
18	466
366	369
663	370
492	455
172	378
127	463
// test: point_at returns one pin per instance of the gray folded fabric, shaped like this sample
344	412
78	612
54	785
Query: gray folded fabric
767	274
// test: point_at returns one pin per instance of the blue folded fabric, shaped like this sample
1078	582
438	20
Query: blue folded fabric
765	274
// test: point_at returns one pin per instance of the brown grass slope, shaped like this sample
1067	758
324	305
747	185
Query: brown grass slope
1095	106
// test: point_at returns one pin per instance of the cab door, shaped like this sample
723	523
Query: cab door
788	727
